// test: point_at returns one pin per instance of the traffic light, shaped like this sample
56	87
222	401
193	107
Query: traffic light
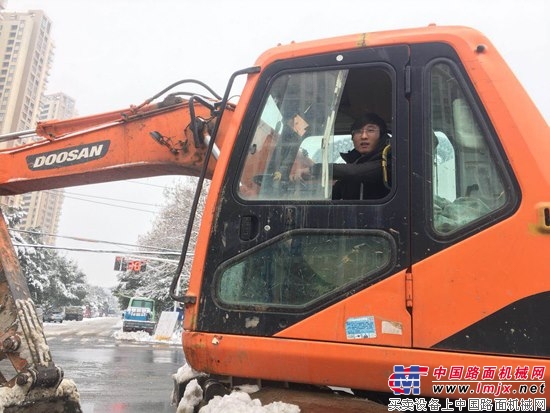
121	264
125	264
118	263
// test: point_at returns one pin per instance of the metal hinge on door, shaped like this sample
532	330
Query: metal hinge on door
408	290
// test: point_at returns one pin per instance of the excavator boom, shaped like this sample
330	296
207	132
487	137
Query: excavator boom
169	137
154	140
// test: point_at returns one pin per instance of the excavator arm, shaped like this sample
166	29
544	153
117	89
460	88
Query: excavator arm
170	137
156	139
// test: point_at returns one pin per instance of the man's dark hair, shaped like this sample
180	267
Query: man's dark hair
370	118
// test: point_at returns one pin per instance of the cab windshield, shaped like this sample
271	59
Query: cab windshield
296	129
142	303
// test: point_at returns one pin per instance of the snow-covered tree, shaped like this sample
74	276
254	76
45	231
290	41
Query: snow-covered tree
101	299
166	235
53	279
67	285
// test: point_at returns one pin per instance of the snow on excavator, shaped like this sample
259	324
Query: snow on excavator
438	281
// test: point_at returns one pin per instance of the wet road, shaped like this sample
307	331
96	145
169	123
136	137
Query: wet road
114	375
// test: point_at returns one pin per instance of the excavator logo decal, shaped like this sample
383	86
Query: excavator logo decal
67	157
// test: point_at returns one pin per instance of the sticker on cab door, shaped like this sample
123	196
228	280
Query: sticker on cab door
392	327
360	327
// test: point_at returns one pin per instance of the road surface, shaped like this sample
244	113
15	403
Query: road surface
115	371
118	372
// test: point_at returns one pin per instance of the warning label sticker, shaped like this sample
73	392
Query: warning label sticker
360	327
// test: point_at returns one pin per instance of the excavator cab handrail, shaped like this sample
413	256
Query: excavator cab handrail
187	299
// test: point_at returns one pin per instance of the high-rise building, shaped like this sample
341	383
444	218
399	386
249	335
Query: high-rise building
44	207
57	106
26	53
43	212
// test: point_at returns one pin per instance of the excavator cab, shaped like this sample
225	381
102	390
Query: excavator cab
299	256
292	286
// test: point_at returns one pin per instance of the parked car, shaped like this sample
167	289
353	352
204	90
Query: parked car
55	315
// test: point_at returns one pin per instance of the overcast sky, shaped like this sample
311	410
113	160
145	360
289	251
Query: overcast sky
111	54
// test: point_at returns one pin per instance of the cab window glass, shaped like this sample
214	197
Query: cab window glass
299	268
305	125
467	182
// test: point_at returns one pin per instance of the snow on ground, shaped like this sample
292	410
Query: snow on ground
142	336
104	326
239	401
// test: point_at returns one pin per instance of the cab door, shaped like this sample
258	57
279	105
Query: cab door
287	260
473	290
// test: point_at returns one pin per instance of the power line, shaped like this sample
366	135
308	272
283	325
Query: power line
146	184
156	259
112	205
103	197
133	254
86	239
54	247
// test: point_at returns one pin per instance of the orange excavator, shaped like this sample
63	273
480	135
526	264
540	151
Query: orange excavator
434	291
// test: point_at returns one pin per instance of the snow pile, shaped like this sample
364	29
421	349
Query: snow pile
12	396
142	336
186	373
237	402
132	336
191	397
241	402
21	396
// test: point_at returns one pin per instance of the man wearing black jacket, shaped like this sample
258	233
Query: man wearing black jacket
361	177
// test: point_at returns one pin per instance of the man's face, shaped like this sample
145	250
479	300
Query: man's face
365	140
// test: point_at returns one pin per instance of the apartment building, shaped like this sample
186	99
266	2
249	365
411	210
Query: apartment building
44	207
26	55
57	106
